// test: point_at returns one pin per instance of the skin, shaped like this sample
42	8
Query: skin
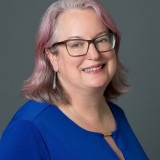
71	69
85	89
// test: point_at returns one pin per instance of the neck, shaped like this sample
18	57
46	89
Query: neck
90	111
92	104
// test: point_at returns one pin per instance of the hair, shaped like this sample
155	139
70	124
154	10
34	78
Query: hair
39	86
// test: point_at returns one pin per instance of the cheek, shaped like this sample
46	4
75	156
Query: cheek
114	64
113	58
110	56
62	58
112	61
67	63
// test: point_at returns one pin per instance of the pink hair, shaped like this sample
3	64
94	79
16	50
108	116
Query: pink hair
39	86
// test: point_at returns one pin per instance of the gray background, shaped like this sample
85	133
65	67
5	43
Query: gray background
139	23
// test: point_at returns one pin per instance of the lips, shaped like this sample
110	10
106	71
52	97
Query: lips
94	68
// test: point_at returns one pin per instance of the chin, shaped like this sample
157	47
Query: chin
98	85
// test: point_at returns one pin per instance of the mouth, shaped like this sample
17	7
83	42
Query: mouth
93	69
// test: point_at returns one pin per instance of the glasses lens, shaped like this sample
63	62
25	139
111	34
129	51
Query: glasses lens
77	47
105	42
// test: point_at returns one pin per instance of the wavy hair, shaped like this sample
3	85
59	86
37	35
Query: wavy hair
39	86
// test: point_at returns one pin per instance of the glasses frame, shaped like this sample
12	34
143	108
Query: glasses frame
89	42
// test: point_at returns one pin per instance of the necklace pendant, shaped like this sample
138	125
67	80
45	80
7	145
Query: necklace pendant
107	134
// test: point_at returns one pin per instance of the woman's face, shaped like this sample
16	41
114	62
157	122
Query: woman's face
85	72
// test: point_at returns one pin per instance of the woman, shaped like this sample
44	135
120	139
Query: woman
77	75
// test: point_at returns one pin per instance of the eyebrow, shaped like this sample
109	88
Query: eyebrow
79	37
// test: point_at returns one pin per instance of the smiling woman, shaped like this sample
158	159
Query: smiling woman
69	114
73	72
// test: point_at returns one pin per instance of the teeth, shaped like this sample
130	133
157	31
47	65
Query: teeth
92	69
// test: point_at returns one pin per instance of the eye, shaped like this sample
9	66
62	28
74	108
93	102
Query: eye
75	44
102	40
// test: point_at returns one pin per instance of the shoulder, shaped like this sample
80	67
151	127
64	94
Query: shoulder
36	115
117	111
115	108
24	118
22	133
22	139
30	110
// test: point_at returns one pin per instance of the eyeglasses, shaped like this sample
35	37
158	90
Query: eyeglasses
79	47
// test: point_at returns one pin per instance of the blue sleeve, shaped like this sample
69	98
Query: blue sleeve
22	140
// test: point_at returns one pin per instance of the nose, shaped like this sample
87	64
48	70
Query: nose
92	53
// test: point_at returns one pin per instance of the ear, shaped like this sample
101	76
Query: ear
53	59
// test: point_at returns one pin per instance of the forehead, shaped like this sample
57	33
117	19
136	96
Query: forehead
81	23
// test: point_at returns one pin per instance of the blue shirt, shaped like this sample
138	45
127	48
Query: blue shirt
39	131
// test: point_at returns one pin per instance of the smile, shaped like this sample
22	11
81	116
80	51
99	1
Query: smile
93	69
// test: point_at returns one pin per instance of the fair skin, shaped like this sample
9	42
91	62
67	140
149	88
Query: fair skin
85	88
